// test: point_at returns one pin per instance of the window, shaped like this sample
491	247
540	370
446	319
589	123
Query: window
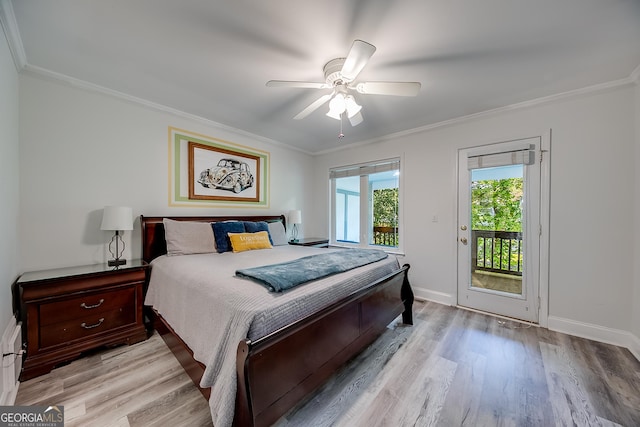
365	203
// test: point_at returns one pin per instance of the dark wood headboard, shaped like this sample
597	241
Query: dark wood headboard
154	244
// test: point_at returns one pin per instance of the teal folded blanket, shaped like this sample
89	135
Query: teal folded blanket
286	275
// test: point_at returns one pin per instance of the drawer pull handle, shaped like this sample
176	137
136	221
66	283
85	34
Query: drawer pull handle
83	305
84	325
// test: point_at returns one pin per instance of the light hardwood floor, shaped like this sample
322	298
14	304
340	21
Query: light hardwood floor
452	368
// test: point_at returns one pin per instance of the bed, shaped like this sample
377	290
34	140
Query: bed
270	369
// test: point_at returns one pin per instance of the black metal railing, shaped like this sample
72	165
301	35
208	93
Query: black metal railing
497	251
385	236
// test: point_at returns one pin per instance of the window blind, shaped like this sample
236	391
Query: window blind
365	169
517	157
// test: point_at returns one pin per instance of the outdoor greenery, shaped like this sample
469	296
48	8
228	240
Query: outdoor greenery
385	207
385	214
497	205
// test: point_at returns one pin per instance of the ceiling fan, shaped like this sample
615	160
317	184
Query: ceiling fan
340	75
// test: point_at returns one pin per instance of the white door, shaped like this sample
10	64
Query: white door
499	228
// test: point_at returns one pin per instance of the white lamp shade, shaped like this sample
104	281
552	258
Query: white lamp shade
117	218
352	106
336	106
295	217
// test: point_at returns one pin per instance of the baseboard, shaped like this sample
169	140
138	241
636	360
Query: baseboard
439	297
634	348
597	333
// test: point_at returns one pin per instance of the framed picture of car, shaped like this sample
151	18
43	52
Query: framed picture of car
217	173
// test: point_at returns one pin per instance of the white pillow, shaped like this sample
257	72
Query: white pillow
188	237
277	233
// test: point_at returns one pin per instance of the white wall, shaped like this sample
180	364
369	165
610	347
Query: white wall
636	300
9	153
592	183
81	150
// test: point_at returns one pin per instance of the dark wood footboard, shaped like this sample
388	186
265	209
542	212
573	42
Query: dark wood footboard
279	370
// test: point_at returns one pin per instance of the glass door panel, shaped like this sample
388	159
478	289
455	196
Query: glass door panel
497	249
347	200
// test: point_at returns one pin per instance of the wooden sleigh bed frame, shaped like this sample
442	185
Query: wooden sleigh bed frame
277	371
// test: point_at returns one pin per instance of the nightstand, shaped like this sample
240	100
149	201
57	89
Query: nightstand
317	242
67	311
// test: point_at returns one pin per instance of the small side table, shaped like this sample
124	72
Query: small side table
67	311
317	242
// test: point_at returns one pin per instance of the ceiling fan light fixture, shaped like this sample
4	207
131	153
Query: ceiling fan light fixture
356	119
352	106
334	115
337	106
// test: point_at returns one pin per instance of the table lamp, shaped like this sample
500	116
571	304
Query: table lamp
117	218
295	218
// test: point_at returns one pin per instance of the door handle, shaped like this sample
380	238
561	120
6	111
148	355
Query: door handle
463	240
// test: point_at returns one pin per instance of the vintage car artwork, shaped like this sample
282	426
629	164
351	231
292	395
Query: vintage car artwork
229	174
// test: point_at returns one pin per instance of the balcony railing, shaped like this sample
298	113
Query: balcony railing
385	236
497	251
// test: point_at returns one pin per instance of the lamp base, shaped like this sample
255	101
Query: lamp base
116	262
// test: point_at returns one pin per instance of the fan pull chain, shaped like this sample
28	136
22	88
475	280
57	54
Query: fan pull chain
341	135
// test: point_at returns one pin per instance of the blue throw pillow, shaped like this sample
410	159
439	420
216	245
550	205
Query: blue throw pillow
220	230
255	226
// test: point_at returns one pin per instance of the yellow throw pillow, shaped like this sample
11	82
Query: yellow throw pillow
248	241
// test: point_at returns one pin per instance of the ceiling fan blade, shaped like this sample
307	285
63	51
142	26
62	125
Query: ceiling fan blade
356	119
389	88
314	106
306	85
356	59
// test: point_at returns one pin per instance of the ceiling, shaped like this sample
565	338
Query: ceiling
212	58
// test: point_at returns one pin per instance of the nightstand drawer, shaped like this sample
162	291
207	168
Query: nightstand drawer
86	326
88	305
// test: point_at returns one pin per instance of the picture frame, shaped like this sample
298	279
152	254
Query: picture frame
217	173
191	154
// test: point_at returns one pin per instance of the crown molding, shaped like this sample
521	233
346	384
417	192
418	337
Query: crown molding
49	75
11	32
633	78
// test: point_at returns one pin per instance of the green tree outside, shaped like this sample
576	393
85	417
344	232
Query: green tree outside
497	205
385	213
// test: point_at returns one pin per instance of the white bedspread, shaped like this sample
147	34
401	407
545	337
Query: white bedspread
212	310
